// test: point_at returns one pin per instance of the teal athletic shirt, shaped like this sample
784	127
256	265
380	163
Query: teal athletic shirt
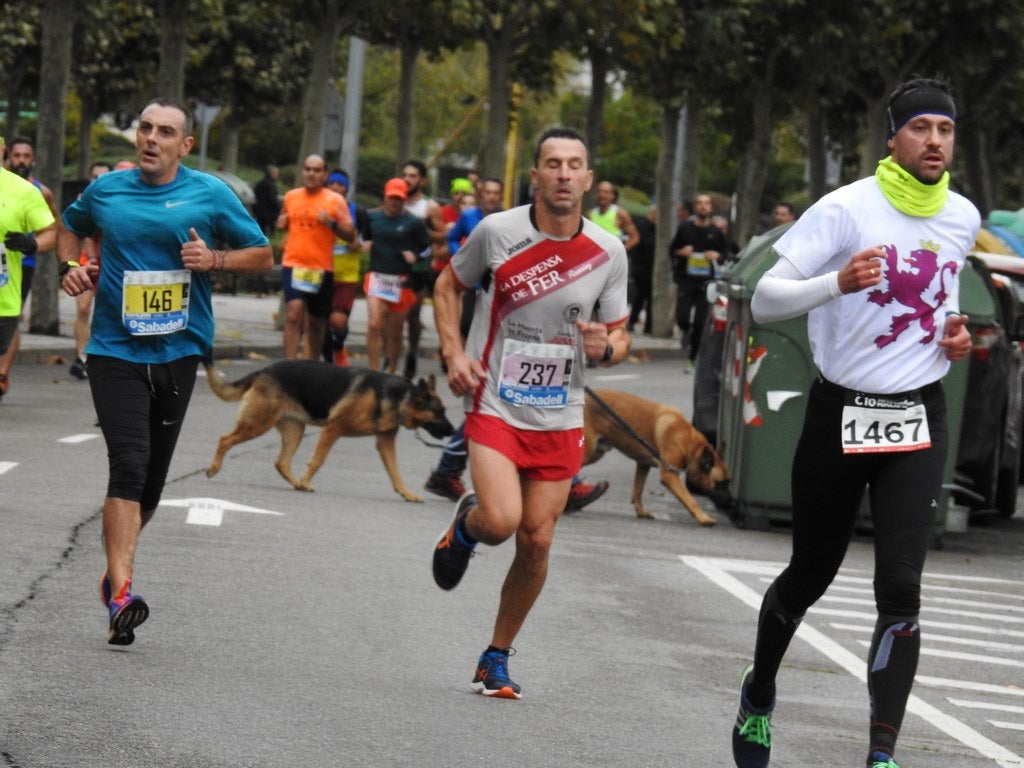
144	227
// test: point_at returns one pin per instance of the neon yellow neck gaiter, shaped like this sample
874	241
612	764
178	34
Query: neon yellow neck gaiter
907	194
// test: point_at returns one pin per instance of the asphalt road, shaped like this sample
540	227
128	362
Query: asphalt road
293	629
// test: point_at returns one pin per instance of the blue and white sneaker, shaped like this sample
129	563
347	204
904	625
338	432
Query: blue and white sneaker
492	678
127	611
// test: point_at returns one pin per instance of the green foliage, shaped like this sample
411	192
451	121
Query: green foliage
628	155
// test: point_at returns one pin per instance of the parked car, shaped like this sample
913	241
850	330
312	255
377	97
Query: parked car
989	458
239	186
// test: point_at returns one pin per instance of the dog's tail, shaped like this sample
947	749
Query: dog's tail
221	388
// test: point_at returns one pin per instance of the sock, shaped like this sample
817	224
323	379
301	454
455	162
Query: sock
496	649
463	534
775	628
892	663
123	592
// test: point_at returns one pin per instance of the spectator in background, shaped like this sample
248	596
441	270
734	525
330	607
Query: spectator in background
397	240
641	270
21	160
268	200
460	187
697	249
722	223
27	224
314	216
83	301
347	274
421	279
613	218
783	213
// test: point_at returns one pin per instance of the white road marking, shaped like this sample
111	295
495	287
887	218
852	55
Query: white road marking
975	657
967	704
967	685
991	645
717	572
6	466
1008	726
81	438
207	511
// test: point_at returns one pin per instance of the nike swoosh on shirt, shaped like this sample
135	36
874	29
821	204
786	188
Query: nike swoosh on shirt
175	204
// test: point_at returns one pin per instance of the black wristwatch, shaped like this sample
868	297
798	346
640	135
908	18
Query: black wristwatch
609	353
64	266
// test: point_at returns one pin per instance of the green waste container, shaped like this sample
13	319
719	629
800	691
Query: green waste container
767	373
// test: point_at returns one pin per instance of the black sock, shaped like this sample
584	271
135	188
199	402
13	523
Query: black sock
495	649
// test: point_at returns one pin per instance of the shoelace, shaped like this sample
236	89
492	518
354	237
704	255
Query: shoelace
497	665
757	730
884	764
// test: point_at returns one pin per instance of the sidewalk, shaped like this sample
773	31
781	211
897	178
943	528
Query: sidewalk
245	325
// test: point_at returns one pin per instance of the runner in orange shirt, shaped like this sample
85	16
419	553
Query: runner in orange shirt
313	217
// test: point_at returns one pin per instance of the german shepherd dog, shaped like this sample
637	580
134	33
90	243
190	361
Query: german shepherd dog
679	445
346	402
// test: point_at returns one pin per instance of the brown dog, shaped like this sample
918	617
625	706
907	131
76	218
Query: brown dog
679	444
344	401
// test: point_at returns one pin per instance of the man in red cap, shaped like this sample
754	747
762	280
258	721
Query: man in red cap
396	239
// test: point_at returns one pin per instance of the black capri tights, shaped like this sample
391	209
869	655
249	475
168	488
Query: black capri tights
828	487
140	407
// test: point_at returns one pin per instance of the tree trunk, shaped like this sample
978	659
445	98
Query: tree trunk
313	103
14	79
595	112
598	95
754	166
57	35
815	154
691	159
876	129
663	298
229	144
85	136
972	149
406	102
498	56
170	77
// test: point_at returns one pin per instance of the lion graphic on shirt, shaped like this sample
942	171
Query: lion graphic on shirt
909	287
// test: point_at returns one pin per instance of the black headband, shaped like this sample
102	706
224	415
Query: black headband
920	101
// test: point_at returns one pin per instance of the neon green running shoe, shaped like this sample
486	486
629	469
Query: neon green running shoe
881	760
752	733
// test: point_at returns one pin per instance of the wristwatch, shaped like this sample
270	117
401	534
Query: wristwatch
609	352
64	266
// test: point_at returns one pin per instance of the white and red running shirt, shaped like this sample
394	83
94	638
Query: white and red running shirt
534	288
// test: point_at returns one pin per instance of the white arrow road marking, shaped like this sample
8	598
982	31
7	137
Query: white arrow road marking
78	438
7	465
207	511
716	570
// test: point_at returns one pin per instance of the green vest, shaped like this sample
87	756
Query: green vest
607	220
